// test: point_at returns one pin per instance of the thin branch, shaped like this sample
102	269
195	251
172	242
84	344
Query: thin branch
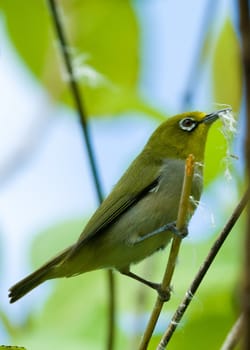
234	335
180	224
244	11
112	310
64	47
75	90
202	271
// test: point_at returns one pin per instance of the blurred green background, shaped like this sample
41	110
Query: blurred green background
137	62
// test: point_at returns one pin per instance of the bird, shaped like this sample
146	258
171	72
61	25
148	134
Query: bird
136	219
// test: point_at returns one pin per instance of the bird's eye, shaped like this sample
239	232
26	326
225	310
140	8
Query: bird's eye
188	124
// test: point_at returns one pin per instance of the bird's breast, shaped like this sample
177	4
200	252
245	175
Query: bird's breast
171	182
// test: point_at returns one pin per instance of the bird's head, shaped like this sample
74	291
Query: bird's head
183	134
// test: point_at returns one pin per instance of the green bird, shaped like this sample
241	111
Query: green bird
135	220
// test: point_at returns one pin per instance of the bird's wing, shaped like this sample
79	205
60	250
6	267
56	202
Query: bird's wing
120	200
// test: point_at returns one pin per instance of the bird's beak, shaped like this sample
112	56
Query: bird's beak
210	118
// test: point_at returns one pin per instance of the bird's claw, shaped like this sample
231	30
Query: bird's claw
180	233
164	294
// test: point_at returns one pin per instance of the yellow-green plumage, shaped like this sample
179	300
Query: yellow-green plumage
145	198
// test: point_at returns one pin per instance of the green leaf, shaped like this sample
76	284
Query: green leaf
227	69
215	154
28	26
227	89
103	39
9	347
107	32
54	239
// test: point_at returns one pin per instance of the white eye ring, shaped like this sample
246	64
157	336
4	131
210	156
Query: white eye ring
188	124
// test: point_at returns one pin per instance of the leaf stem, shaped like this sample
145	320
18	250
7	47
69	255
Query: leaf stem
180	225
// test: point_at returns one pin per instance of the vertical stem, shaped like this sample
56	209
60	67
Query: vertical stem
111	308
173	255
77	98
245	36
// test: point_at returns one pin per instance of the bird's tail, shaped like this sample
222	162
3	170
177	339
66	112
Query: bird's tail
45	272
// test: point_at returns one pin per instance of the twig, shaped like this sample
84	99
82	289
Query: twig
180	224
234	335
244	11
112	310
84	125
64	47
202	272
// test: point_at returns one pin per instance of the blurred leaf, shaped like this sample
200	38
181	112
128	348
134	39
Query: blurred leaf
9	347
103	39
227	87
215	154
29	28
227	69
107	32
54	239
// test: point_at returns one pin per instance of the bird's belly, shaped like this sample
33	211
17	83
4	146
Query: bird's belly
154	211
123	243
118	246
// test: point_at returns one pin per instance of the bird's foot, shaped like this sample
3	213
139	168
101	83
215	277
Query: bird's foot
172	227
163	294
